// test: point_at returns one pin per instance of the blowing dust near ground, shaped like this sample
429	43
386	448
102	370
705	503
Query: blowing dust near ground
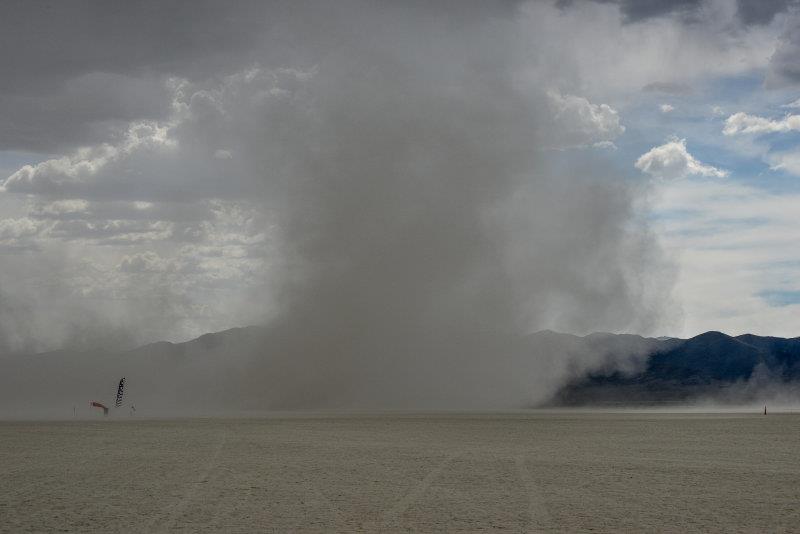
534	472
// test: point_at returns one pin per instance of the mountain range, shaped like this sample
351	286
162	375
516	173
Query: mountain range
711	365
215	372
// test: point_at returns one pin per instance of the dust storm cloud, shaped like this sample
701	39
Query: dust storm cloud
411	212
424	228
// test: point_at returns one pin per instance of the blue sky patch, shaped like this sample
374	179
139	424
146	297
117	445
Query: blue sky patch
779	298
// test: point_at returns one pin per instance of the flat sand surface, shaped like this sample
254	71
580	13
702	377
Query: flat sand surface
538	472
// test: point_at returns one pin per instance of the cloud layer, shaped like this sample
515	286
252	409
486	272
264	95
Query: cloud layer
743	123
671	160
739	255
440	175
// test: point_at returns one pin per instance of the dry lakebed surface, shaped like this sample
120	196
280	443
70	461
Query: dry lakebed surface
520	472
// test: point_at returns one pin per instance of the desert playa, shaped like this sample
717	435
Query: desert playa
521	472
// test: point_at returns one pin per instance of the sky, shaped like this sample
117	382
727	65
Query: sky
170	169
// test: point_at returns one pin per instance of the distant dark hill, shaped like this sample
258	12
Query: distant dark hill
707	357
781	353
707	365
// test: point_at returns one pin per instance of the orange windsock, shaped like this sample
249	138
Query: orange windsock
95	404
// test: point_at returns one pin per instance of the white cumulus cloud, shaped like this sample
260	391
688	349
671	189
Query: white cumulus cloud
581	123
78	173
672	160
743	123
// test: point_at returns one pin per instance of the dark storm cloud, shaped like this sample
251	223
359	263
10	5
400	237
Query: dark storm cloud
45	41
78	111
749	12
73	72
784	65
639	10
761	11
670	88
636	10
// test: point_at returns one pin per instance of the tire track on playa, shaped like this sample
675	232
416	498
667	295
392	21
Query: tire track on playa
336	512
539	518
167	520
412	495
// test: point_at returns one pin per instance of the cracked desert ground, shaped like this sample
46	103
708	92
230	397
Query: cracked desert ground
535	472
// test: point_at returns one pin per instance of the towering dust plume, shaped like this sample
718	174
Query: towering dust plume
425	228
435	187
